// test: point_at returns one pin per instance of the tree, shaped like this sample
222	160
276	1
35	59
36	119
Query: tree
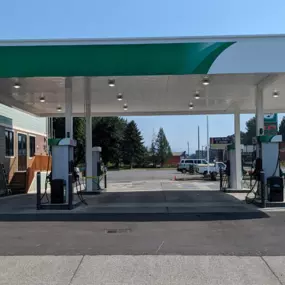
78	134
242	137
58	127
163	149
282	129
153	150
132	146
108	133
250	131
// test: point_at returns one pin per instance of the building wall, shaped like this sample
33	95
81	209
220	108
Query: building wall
173	160
20	122
17	119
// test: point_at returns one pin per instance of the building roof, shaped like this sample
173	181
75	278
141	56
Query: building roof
175	153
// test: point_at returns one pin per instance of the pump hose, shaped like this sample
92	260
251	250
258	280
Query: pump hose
277	163
47	179
251	191
79	192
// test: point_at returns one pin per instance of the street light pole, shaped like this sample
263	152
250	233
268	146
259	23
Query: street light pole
188	149
198	142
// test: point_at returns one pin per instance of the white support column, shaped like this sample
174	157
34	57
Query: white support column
208	146
237	150
259	110
259	114
88	133
68	108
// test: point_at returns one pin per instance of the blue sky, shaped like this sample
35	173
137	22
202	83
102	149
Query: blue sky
34	19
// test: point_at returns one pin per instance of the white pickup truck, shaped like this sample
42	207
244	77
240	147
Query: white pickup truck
200	166
213	168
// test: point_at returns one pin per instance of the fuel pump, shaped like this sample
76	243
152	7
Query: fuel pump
62	165
269	162
267	171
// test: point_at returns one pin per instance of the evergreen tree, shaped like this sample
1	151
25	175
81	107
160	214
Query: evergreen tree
78	134
153	150
133	147
250	131
163	149
108	133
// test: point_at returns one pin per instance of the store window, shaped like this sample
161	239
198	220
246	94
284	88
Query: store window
9	143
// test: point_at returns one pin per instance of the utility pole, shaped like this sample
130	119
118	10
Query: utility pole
188	149
198	142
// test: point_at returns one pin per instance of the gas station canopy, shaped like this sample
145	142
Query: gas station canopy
151	76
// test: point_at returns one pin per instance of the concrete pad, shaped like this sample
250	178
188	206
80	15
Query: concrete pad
38	270
277	265
125	210
209	209
146	270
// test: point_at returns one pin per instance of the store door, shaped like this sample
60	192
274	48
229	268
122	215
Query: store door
22	152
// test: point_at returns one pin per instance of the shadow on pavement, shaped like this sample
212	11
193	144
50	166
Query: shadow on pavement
131	217
139	206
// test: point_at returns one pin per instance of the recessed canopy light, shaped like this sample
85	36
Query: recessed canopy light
120	97
197	95
275	94
17	85
206	81
111	82
191	106
42	99
58	109
125	107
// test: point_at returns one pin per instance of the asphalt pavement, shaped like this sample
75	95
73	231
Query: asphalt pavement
189	242
141	175
222	252
189	235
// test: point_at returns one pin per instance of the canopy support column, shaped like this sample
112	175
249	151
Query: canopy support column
68	108
259	110
259	114
238	166
88	133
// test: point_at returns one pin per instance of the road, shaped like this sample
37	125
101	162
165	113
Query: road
141	175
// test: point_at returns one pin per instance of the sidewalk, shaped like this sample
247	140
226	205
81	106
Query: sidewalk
141	270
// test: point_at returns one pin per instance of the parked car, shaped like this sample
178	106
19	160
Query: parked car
185	164
213	168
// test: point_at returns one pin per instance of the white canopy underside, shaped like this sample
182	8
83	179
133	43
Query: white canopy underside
147	95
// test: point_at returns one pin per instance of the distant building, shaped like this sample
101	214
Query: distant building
214	154
176	157
201	154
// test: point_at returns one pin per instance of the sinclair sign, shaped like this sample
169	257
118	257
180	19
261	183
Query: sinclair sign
270	124
220	142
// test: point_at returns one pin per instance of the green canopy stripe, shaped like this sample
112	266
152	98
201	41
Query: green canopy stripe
109	60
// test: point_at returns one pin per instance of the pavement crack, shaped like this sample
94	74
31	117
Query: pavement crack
76	270
280	282
160	246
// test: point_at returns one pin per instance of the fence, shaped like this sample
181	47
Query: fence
38	163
